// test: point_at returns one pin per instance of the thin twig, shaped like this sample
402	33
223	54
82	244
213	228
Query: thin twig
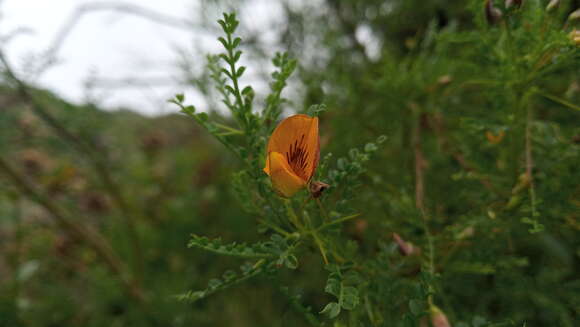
420	166
50	55
559	100
530	160
439	129
88	149
92	238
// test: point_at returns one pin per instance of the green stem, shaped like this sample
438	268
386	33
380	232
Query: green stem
322	210
530	161
337	221
274	227
233	71
559	100
317	239
292	215
231	130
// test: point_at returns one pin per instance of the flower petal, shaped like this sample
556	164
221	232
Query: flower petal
284	180
297	139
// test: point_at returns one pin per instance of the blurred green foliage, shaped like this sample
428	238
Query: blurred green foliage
477	177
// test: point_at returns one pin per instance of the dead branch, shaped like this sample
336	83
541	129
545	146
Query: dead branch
92	238
83	10
89	150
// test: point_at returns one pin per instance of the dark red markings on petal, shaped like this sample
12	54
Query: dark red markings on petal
298	157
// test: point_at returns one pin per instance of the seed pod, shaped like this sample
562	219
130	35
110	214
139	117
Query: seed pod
574	15
492	14
444	80
575	37
317	187
552	5
513	3
35	162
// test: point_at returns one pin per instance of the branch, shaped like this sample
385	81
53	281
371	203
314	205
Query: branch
133	82
115	6
86	148
439	128
420	163
530	160
92	238
420	166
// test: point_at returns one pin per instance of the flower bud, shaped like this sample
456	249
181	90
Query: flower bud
492	14
494	139
405	248
438	318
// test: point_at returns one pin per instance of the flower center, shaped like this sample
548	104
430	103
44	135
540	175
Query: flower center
298	157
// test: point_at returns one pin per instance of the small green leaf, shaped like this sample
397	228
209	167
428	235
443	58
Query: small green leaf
228	74
417	307
342	163
247	90
370	147
224	42
291	262
478	321
237	56
353	153
188	110
349	298
230	89
229	275
223	25
236	42
381	139
214	283
333	286
352	277
332	310
234	25
202	116
241	71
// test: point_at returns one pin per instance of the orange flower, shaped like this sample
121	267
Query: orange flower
292	154
494	139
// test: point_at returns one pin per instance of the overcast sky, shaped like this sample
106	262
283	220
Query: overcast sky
108	44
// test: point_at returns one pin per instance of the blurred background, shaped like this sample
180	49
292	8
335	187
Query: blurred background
102	180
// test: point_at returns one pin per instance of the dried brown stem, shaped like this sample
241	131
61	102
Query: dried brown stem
420	163
87	149
50	56
92	238
420	166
